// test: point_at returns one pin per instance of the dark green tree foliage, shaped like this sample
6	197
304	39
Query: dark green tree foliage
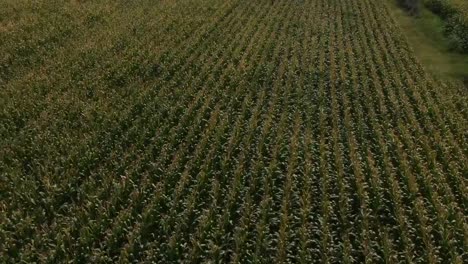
413	7
455	15
457	30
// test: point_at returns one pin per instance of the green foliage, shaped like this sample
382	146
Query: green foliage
224	131
411	6
455	14
425	34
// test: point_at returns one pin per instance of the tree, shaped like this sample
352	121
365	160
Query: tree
413	7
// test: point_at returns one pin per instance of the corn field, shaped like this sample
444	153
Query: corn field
209	131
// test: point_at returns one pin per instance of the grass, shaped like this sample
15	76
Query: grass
425	34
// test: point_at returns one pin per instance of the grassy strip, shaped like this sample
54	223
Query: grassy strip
425	35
